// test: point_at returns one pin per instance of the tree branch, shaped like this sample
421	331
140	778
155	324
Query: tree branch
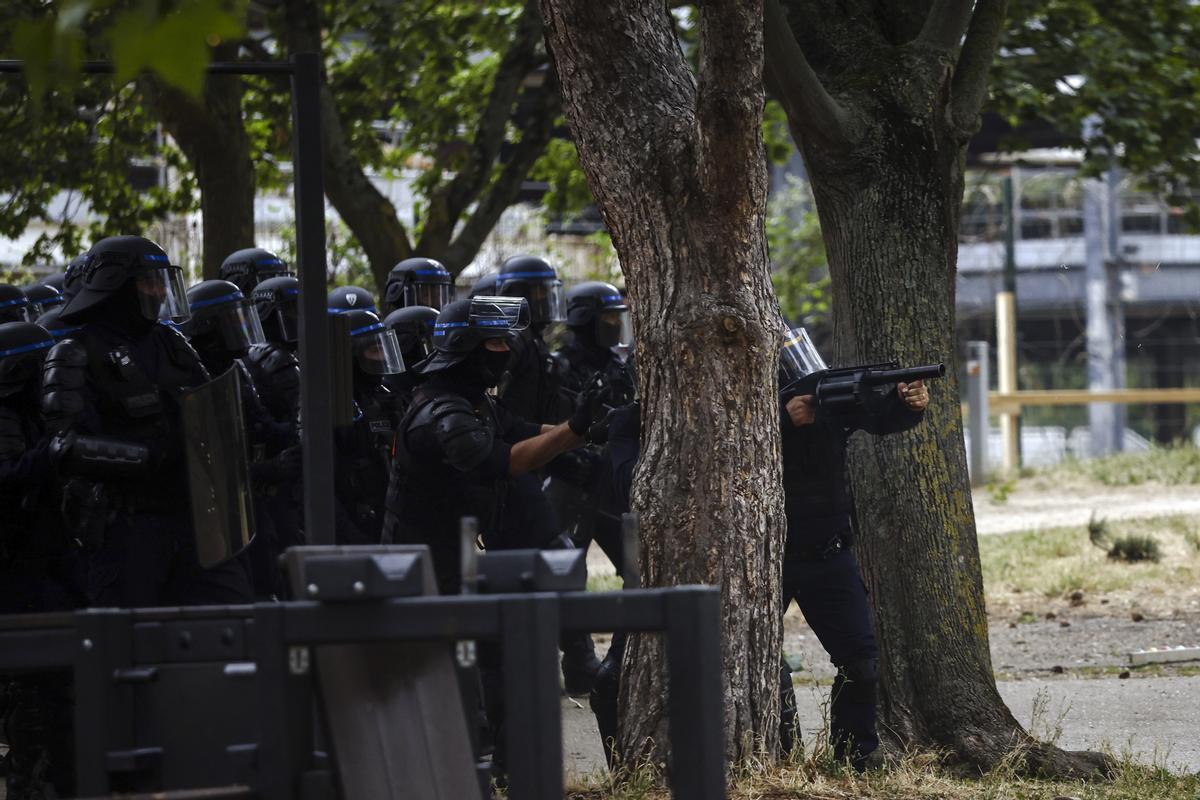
518	61
810	108
946	23
503	192
974	62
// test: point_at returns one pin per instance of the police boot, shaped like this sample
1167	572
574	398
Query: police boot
603	699
579	663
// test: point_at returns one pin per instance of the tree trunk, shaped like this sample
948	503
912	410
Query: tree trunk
213	137
889	201
678	170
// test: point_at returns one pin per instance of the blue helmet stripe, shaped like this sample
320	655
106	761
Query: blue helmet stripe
519	276
19	301
28	348
374	326
227	298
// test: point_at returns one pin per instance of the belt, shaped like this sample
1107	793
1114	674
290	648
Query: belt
820	552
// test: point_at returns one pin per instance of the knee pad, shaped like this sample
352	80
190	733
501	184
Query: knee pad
859	680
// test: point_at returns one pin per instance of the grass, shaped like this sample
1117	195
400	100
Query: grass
919	776
1170	466
1056	562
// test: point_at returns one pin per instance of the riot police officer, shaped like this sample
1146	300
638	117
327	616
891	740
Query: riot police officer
14	305
418	282
820	571
223	327
42	297
351	298
531	389
456	447
364	447
273	365
36	572
580	484
52	321
485	284
413	326
250	266
120	378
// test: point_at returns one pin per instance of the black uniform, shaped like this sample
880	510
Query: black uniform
822	575
451	461
110	382
36	571
363	451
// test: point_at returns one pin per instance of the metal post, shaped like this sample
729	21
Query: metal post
284	706
316	398
697	725
103	710
533	718
1116	296
1006	377
977	402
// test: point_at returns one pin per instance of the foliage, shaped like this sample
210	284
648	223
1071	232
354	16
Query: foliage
800	272
347	264
1170	466
1134	66
1132	549
171	40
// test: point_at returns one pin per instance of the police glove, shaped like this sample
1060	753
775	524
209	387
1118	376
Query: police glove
587	409
598	431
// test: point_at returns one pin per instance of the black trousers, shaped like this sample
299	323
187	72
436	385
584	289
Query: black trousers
833	598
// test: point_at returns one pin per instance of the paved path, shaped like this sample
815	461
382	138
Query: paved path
1154	719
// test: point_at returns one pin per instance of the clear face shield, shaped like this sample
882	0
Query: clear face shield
240	327
614	329
161	295
545	298
376	350
434	295
505	313
798	357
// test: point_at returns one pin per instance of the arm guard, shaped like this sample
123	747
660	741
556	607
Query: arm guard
466	441
64	378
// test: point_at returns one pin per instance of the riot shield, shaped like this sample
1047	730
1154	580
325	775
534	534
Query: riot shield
218	471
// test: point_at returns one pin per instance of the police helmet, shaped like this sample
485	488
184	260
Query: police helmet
55	279
534	279
486	284
72	276
42	298
278	304
248	267
114	262
464	324
223	317
52	321
350	298
23	347
414	331
600	307
418	282
14	305
373	344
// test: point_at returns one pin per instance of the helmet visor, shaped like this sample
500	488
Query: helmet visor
376	350
499	313
240	327
544	296
798	357
613	329
161	295
434	295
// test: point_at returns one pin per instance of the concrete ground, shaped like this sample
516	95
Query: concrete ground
1154	720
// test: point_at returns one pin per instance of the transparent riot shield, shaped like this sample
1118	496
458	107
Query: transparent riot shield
218	470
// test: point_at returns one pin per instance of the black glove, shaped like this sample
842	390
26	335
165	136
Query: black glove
587	409
598	431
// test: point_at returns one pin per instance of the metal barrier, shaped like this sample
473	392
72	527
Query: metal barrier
221	699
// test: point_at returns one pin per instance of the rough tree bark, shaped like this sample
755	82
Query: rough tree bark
882	99
211	134
677	167
462	210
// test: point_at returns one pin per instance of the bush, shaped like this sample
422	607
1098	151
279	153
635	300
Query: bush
1134	548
